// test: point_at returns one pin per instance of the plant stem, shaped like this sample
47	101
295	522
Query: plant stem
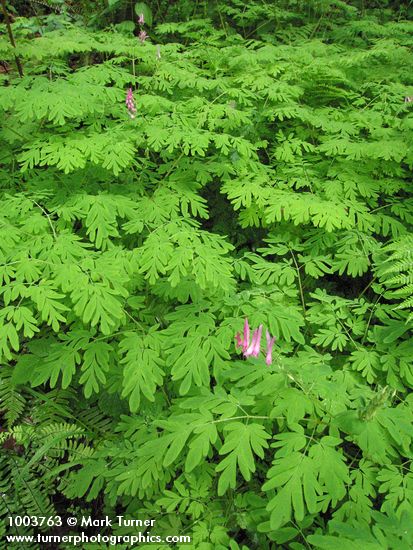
300	285
236	418
11	37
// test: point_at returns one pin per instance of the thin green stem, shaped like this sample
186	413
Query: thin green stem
300	285
238	418
47	216
11	36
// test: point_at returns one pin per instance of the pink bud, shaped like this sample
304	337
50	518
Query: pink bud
270	343
142	36
130	103
141	19
246	340
254	348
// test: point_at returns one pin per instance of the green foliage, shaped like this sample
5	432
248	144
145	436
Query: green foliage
266	174
395	271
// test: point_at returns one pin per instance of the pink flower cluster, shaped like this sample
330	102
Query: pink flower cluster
253	347
142	34
130	103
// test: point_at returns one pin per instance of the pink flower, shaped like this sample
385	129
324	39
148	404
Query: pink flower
254	347
245	341
142	36
141	19
130	103
270	343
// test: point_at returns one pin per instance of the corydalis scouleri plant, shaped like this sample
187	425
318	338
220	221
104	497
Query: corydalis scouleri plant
122	276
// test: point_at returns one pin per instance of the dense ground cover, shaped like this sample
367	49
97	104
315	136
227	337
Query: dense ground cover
261	171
